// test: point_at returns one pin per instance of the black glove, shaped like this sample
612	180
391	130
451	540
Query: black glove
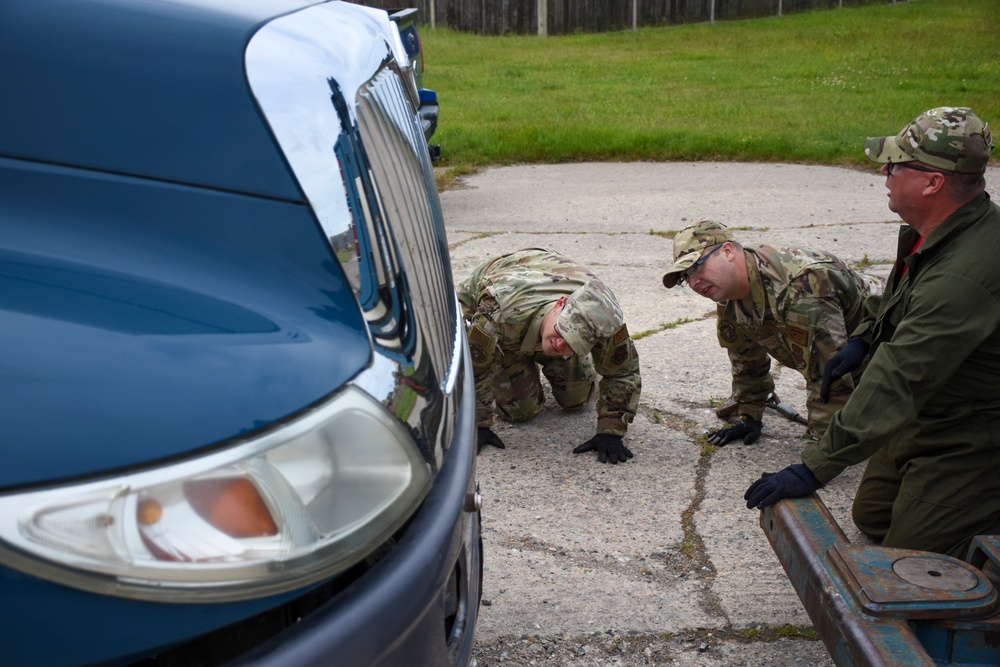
486	436
609	448
846	360
749	429
792	482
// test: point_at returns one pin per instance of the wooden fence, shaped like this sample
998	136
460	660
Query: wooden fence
497	17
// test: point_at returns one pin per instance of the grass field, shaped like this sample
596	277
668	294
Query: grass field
800	88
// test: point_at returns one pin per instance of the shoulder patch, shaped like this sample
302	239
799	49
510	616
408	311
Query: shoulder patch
797	335
798	354
617	348
480	344
620	355
727	331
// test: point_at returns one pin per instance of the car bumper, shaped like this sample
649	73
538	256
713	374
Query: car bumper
416	606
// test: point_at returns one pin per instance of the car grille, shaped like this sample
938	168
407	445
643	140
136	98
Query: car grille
415	253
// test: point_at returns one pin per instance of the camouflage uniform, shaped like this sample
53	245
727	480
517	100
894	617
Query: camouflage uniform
505	300
801	307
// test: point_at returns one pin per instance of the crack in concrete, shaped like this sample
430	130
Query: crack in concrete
710	603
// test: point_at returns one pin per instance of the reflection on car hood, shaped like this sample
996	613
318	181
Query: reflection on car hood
139	87
163	321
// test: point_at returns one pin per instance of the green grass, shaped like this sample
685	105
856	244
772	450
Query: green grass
801	88
663	327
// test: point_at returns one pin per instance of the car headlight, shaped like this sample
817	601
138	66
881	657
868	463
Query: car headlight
272	514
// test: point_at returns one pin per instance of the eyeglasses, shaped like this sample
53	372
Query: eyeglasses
697	265
889	166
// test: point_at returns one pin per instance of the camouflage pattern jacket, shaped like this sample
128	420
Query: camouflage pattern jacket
801	307
505	300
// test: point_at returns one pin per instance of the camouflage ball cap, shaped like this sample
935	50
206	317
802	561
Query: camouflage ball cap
590	314
689	243
947	138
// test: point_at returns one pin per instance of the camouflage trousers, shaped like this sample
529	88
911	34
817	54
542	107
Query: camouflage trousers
517	384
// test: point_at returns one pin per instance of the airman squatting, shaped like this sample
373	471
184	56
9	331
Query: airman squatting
797	305
537	308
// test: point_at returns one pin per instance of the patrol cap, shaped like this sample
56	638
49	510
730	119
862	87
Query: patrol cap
590	314
947	138
690	242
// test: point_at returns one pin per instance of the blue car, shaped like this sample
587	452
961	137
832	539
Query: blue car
237	407
406	24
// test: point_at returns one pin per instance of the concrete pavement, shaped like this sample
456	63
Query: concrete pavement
656	561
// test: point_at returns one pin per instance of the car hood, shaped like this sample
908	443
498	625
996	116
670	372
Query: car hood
140	87
142	321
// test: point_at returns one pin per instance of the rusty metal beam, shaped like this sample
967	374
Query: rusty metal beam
866	601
